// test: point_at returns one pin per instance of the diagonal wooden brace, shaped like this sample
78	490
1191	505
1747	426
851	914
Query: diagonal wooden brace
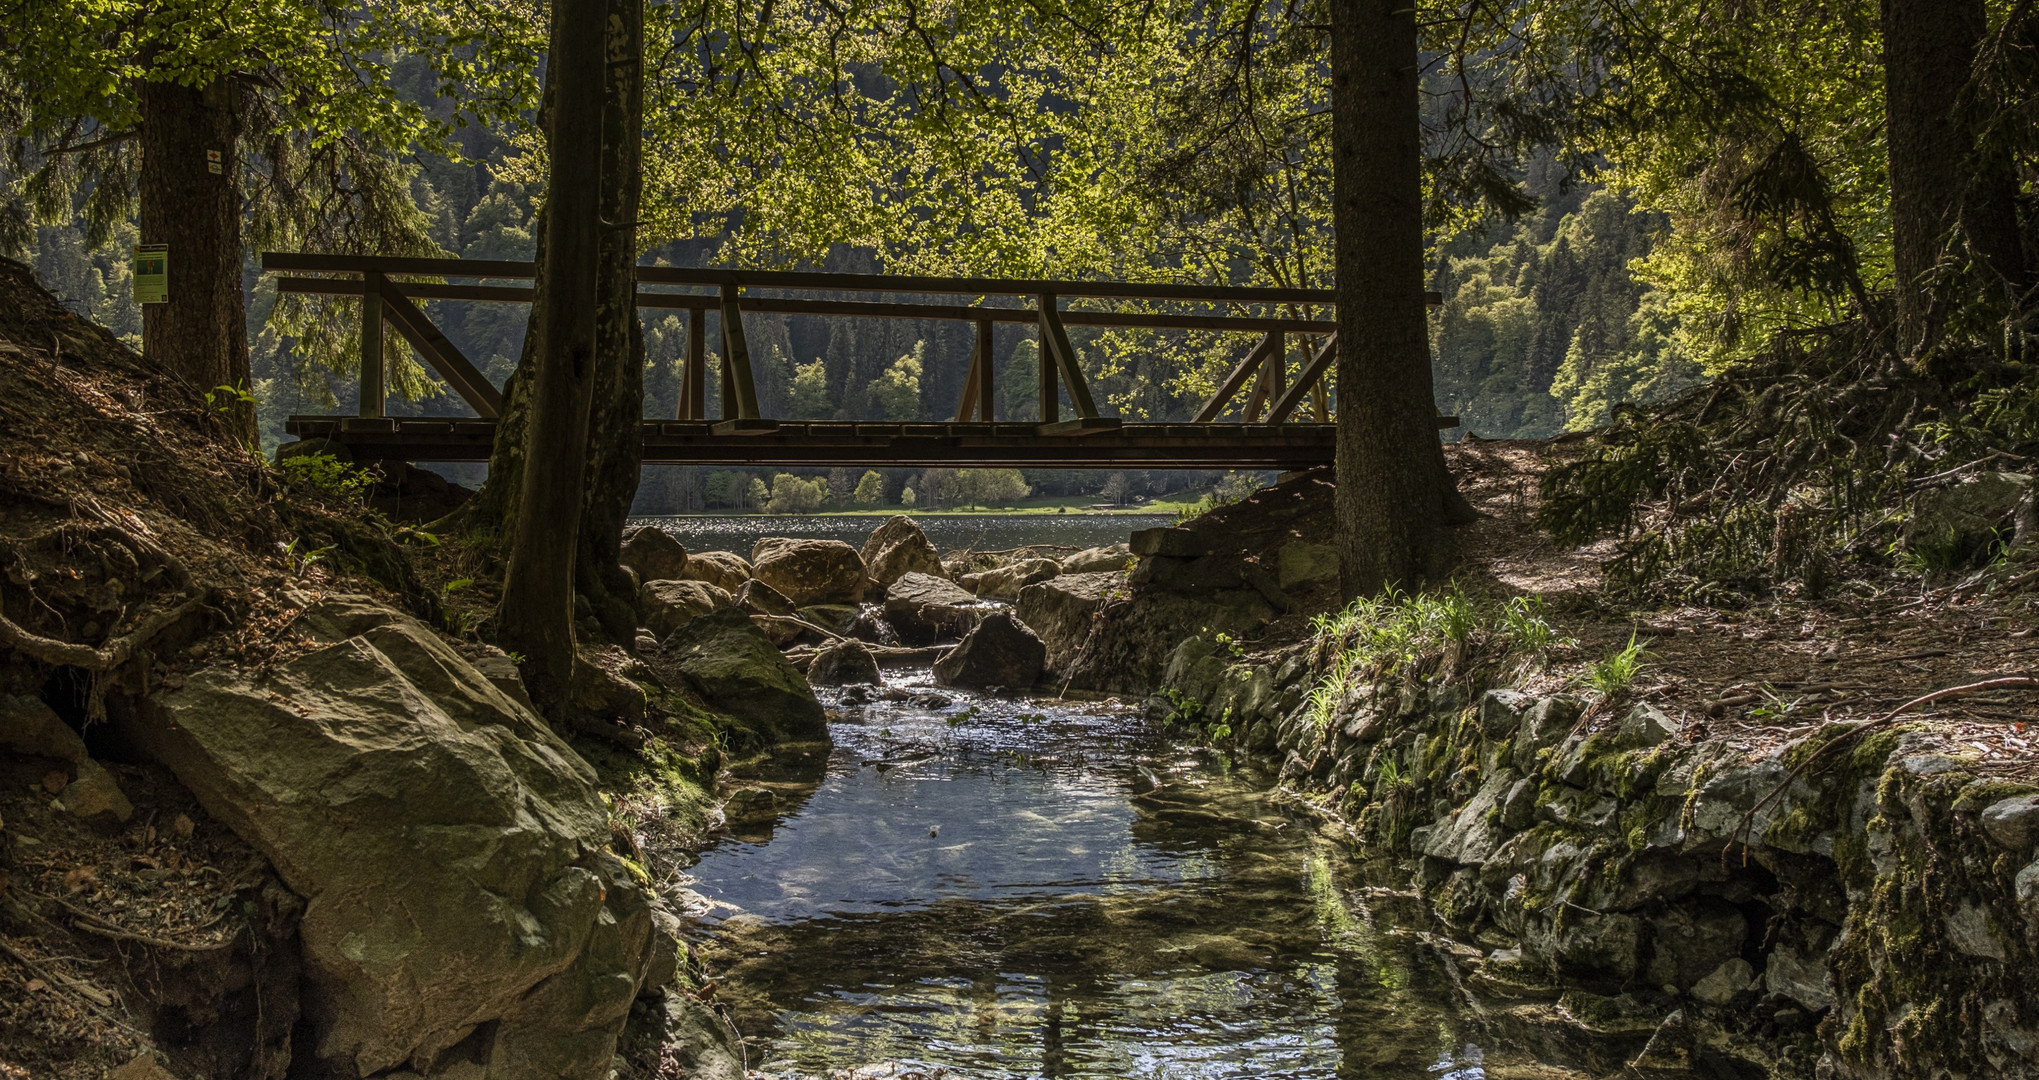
472	386
1055	341
737	381
1229	389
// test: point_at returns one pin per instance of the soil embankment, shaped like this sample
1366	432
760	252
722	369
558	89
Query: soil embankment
270	809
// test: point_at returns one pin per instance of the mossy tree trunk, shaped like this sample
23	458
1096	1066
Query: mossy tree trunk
611	453
192	203
535	617
1941	192
1395	497
615	447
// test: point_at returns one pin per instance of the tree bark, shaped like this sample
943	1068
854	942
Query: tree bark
201	334
535	617
1395	496
615	447
1937	185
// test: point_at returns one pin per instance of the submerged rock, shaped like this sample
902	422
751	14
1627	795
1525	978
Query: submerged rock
1062	611
653	553
737	670
809	571
1000	651
450	848
922	609
898	548
843	663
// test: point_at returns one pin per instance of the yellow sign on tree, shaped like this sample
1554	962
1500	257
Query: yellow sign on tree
152	273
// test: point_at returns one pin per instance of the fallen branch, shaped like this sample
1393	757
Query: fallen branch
799	622
107	928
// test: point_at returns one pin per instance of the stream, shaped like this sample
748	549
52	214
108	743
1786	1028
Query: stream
988	887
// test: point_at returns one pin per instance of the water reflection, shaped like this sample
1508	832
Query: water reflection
1008	888
948	532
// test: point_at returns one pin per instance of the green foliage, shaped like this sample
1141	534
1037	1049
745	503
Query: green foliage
1612	675
326	475
895	395
809	395
982	487
870	489
792	495
907	497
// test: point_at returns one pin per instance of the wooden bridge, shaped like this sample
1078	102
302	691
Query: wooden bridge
1264	433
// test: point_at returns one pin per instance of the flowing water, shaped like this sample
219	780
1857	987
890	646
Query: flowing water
982	887
948	532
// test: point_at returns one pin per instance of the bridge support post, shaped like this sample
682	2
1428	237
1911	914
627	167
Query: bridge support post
694	376
374	382
1309	381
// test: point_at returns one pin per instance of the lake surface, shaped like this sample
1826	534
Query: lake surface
983	887
947	532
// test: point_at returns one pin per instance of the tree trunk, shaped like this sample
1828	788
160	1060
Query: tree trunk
615	446
535	617
1937	185
201	334
1395	496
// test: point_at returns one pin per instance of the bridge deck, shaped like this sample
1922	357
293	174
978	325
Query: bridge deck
1076	444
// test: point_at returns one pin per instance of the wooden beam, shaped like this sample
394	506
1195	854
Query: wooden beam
694	375
737	377
1273	373
966	404
986	370
1055	339
1318	367
472	386
374	387
1229	388
667	301
784	279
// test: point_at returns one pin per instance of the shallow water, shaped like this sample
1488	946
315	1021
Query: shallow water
1017	888
948	532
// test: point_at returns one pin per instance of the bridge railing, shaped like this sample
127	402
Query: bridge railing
1273	399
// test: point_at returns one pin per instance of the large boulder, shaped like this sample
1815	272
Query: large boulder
770	609
1098	560
922	609
653	553
999	651
738	671
898	548
723	569
843	662
27	726
668	605
1062	610
1953	528
809	571
1006	582
451	850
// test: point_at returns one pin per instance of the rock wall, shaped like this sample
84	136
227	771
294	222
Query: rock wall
1846	904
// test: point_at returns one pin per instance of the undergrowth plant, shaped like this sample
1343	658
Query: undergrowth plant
1379	635
1612	675
327	475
